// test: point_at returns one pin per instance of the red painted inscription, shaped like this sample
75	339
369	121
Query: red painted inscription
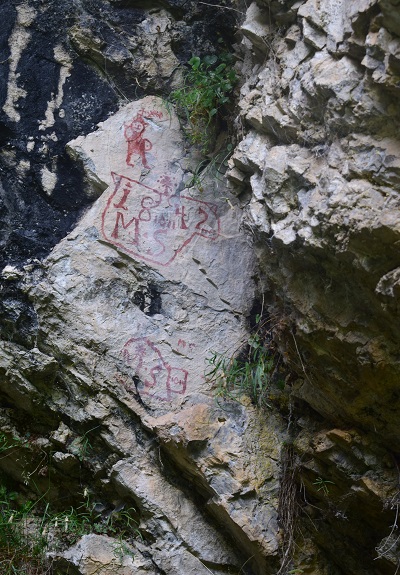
182	343
137	144
155	224
156	377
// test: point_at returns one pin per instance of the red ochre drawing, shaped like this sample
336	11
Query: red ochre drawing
155	225
137	144
156	377
182	343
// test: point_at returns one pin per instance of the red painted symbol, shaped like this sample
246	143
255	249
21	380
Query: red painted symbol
155	225
137	144
183	343
154	114
156	377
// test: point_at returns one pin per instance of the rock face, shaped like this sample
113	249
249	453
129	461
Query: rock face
321	160
64	68
104	343
127	308
120	278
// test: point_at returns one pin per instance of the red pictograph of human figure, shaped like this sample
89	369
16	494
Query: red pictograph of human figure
137	144
156	377
155	224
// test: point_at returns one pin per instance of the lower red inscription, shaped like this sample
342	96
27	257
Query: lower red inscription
155	376
155	224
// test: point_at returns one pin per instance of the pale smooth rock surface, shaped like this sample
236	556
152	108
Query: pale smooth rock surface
147	275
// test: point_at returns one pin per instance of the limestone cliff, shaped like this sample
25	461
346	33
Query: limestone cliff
319	166
120	277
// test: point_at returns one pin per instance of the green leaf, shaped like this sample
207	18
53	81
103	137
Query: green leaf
195	62
210	60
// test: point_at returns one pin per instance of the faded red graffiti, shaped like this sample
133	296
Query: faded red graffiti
155	224
155	376
137	144
182	343
154	114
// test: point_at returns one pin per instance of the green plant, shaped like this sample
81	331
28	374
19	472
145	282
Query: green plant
7	443
121	549
207	87
81	446
69	525
213	168
322	484
252	371
22	544
28	533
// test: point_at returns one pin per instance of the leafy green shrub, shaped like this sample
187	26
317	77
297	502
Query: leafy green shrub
207	87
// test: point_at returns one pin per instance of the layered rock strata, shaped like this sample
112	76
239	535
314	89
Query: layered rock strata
319	170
